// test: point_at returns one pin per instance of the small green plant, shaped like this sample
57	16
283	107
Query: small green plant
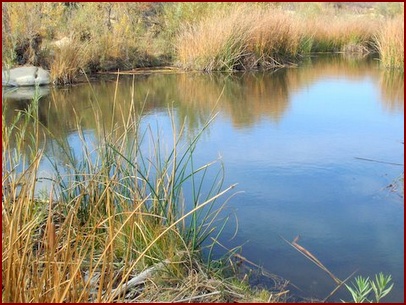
364	286
381	281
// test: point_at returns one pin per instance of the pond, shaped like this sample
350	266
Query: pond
313	150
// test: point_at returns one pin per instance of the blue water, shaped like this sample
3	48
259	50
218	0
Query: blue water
304	173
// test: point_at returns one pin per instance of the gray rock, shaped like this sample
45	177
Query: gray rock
25	76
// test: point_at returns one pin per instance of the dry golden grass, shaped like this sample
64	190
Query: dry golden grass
391	43
250	37
273	32
49	255
69	60
197	286
246	37
351	33
214	43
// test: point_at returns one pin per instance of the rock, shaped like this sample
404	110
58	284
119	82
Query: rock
25	76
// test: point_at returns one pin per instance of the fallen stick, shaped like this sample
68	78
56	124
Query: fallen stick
196	297
139	279
377	161
338	287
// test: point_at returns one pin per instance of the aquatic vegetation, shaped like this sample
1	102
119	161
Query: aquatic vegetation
362	288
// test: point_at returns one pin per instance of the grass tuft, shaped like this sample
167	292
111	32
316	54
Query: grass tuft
243	38
390	43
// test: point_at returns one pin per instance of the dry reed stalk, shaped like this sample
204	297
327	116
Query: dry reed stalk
311	257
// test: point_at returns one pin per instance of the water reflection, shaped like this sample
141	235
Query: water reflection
24	93
392	90
245	97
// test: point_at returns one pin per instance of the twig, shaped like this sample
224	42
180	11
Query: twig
377	161
196	297
139	279
338	287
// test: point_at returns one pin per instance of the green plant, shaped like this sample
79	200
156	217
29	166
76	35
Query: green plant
364	286
381	281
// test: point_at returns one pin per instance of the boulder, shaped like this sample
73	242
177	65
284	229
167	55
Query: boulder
25	76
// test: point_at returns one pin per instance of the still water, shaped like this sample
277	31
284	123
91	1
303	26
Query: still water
313	150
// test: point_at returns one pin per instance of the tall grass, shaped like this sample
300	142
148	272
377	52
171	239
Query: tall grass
244	38
251	37
213	44
391	44
102	36
352	34
113	214
69	61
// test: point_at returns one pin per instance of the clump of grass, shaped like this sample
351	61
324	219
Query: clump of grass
390	43
331	33
363	287
245	37
274	38
215	43
69	60
101	37
114	220
197	285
